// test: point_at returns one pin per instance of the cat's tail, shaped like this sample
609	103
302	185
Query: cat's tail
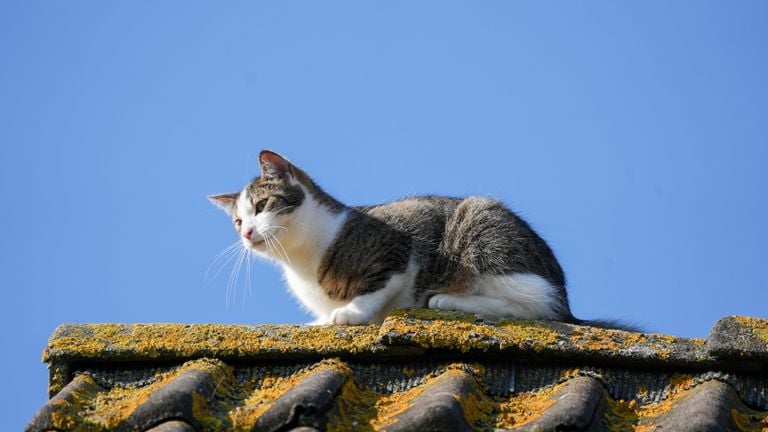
610	324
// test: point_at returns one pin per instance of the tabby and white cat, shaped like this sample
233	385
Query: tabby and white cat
353	265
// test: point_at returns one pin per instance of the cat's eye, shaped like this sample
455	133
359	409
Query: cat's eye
238	222
260	206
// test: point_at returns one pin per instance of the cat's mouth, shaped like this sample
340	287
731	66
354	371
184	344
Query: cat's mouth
257	243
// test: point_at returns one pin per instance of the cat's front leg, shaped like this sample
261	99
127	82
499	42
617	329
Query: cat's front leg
364	308
373	307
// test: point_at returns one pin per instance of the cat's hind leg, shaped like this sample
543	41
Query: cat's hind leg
518	295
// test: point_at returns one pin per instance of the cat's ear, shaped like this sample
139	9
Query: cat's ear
225	202
274	166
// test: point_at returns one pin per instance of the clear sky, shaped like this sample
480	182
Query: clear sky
632	135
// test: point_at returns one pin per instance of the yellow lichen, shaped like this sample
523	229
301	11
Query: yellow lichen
363	409
185	341
750	421
638	417
389	406
758	326
433	329
260	394
114	406
608	340
523	408
597	339
355	408
57	379
92	410
479	409
366	410
465	332
643	392
65	417
620	416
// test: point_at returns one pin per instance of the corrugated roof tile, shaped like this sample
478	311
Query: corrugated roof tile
419	371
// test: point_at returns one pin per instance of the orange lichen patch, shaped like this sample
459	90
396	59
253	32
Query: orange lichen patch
620	416
597	339
606	340
523	408
66	415
678	386
355	408
363	409
195	340
643	392
469	332
57	379
568	374
462	332
118	403
258	395
750	421
633	416
758	326
108	409
480	409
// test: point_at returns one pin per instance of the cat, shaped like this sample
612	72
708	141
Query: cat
353	265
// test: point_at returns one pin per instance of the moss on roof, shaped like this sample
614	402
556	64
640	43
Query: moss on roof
758	326
157	341
381	371
468	332
404	332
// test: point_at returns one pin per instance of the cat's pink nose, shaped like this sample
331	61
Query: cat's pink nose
247	234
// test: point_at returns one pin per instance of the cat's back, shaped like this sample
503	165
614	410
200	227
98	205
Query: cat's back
478	230
435	211
415	215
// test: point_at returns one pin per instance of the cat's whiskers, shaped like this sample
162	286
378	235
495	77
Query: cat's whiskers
268	227
232	255
224	256
268	242
234	277
275	241
247	275
239	269
284	254
284	209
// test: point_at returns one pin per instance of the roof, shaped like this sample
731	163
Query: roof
420	370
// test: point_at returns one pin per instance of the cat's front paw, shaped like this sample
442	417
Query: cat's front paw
349	315
319	322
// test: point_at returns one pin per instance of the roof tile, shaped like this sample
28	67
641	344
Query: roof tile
575	408
172	426
305	404
739	337
421	370
439	405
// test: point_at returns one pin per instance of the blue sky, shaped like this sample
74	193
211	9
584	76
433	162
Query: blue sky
632	136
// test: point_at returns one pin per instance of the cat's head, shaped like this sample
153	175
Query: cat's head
266	208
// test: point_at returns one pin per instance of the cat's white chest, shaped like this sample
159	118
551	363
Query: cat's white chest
309	292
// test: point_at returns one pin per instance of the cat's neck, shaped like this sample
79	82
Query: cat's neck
310	234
